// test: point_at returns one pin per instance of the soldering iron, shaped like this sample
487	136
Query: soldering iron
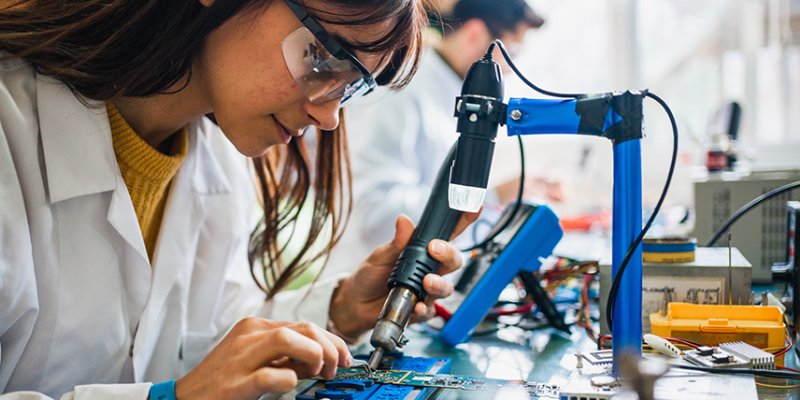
460	187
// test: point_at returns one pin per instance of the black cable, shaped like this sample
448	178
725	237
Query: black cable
747	207
478	224
743	371
517	205
612	293
638	240
524	79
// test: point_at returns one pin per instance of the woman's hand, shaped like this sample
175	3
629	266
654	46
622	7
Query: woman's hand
260	356
358	300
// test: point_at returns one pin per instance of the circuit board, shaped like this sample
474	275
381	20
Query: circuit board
444	381
356	384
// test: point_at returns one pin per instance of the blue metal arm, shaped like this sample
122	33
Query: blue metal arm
601	116
546	116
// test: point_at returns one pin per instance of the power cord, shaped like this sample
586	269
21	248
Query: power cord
632	248
747	207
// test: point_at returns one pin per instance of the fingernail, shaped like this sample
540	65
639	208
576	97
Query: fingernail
438	247
349	361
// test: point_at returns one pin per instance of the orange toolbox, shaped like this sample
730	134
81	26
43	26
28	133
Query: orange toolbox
710	325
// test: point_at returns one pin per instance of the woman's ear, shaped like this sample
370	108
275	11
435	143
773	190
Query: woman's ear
206	3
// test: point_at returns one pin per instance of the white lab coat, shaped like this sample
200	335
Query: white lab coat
83	313
398	142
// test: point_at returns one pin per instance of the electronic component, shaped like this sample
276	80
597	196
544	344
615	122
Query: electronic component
661	345
705	350
600	357
731	355
759	359
703	281
722	359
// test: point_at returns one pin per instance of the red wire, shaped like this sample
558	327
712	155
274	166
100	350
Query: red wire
789	369
683	342
788	347
445	314
442	312
602	339
526	308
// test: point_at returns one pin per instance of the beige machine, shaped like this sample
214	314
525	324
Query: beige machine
761	234
703	281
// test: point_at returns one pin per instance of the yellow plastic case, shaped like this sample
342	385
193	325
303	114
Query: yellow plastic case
711	325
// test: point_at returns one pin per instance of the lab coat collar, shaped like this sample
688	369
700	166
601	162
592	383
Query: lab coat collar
207	176
76	142
78	152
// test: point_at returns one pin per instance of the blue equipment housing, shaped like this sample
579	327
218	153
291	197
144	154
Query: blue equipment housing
531	242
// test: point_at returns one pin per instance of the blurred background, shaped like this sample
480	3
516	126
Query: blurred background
698	56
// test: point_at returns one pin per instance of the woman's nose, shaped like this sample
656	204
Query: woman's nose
325	115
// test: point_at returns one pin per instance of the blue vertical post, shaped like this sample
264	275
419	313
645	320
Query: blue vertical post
627	224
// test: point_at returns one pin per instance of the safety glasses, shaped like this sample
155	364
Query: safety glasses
322	68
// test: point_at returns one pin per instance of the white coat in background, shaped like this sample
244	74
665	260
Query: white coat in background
83	313
398	142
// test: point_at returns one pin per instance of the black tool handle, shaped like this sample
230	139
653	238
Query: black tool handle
543	301
438	222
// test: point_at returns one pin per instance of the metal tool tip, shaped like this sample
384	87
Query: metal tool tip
375	358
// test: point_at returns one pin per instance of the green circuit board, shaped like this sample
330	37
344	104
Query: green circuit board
444	381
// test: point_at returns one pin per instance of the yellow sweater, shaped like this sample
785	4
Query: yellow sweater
147	173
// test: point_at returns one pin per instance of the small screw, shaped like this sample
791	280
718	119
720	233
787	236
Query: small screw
516	115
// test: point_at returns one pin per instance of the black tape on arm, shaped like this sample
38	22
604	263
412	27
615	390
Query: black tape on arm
628	105
593	111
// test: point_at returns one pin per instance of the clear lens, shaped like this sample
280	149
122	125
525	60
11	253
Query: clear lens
321	76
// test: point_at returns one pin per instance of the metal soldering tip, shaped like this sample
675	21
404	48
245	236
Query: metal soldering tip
375	358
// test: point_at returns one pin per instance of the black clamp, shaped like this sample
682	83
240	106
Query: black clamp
484	108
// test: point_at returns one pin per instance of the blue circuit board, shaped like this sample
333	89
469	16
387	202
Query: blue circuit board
354	386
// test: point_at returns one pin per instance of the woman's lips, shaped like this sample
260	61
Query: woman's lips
285	133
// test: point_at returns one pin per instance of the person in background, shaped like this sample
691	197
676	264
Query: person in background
126	214
405	136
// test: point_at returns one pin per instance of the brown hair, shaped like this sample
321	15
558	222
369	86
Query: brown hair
106	49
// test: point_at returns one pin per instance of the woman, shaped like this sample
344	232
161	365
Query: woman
125	223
